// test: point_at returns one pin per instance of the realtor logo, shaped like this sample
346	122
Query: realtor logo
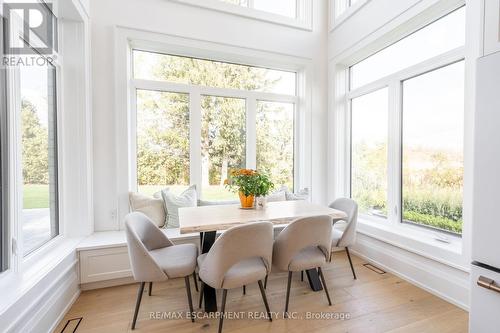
29	28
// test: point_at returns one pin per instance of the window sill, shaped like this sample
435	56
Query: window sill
417	240
34	268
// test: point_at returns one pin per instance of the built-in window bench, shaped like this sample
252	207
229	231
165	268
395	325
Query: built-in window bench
104	260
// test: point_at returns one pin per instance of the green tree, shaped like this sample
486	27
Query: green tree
35	151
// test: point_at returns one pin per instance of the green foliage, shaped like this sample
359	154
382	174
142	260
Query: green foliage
264	185
245	181
435	221
432	185
163	124
443	202
275	142
35	146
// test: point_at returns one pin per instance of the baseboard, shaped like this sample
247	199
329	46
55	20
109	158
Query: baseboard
107	283
443	281
66	309
41	309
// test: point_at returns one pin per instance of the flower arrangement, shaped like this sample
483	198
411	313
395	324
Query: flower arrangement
249	184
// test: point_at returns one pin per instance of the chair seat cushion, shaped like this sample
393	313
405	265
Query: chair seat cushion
244	272
336	236
177	260
308	258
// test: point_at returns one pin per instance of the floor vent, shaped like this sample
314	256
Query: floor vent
72	325
374	268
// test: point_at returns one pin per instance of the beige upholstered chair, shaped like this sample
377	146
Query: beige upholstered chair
240	256
304	244
154	257
347	237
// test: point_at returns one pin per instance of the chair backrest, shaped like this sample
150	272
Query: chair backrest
144	236
236	244
300	234
350	207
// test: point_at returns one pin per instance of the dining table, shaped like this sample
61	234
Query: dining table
208	220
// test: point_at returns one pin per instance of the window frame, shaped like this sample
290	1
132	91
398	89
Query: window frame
342	117
4	225
18	260
195	93
302	21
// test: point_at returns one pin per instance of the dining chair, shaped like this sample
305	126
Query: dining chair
347	237
304	244
154	258
240	256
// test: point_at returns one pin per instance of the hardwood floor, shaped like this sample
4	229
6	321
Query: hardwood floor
374	303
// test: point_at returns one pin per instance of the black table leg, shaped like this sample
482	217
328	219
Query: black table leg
313	277
209	295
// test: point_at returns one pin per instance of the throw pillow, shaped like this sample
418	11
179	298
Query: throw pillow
150	206
173	202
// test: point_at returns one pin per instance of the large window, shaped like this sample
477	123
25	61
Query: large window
407	125
162	140
369	114
433	127
39	155
197	119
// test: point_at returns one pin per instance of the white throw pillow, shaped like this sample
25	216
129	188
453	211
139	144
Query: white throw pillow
173	202
150	206
302	194
278	195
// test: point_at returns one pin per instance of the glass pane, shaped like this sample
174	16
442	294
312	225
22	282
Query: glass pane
162	141
39	156
369	152
222	143
281	7
164	67
433	135
243	3
441	36
275	128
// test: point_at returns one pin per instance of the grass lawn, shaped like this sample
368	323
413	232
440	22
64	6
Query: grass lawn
35	196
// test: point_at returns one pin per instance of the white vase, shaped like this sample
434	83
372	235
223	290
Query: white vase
261	202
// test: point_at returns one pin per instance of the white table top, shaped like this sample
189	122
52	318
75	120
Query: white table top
222	217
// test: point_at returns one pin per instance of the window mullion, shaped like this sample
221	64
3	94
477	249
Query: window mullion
394	153
251	136
195	139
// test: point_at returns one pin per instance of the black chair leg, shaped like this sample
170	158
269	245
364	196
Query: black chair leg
302	276
190	300
265	282
195	282
264	298
138	303
150	289
324	285
288	293
222	309
202	286
350	262
244	290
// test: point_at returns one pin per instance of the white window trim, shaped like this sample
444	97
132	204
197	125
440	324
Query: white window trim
412	238
339	11
20	261
127	39
302	22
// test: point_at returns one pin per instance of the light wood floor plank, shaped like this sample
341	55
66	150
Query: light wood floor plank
375	303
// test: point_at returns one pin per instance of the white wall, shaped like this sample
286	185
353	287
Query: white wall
182	20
